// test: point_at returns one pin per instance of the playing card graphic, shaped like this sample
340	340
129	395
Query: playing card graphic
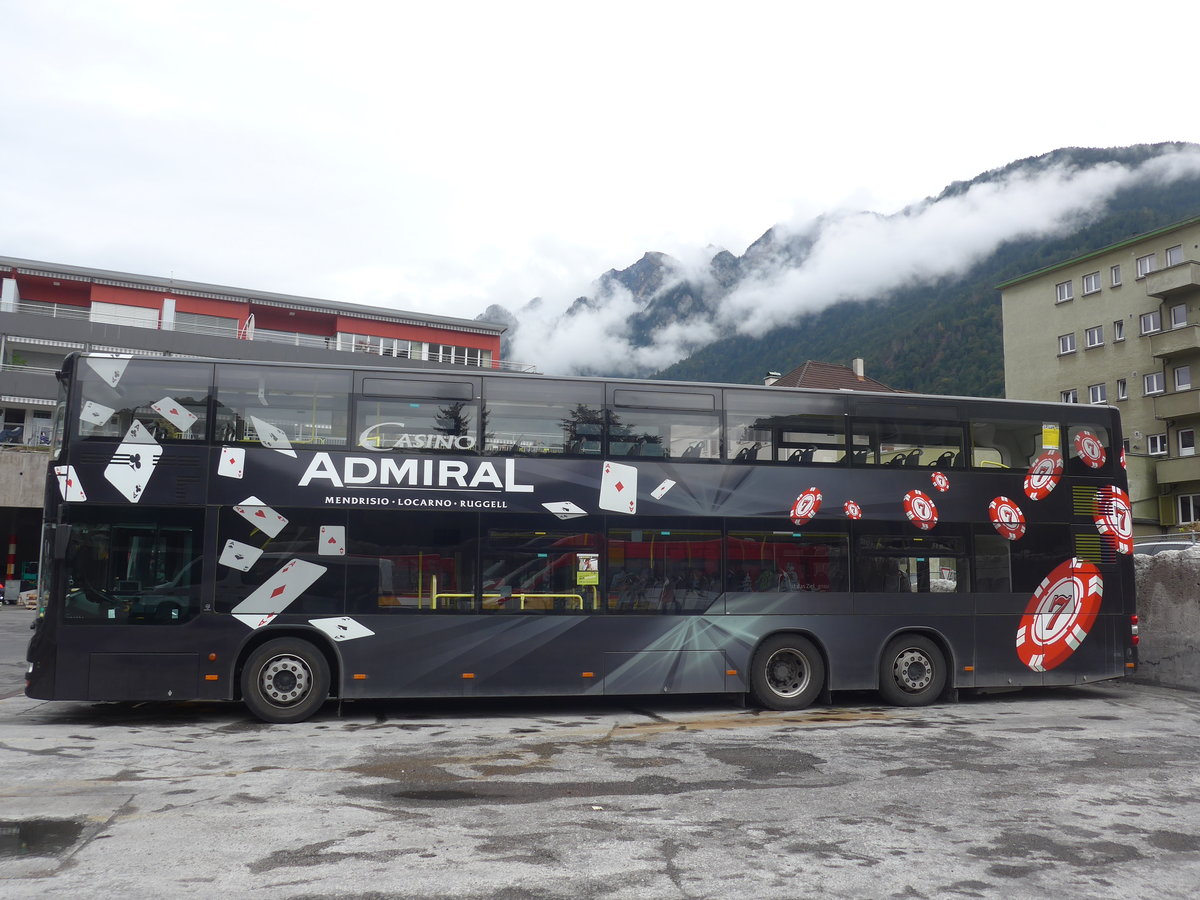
177	415
565	509
239	556
261	516
659	491
272	437
618	488
108	368
95	413
343	628
332	541
278	591
255	621
233	462
131	466
68	484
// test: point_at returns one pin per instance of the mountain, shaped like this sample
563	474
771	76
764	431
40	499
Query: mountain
914	294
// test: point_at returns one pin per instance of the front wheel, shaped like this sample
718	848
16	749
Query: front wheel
912	671
787	672
285	680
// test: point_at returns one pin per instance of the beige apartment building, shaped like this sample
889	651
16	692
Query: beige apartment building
1121	325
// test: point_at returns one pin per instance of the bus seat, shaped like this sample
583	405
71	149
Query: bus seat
946	460
913	458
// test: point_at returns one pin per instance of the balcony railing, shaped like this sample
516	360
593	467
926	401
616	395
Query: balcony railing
1166	283
1178	340
291	338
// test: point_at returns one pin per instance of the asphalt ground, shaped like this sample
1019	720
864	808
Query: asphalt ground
1065	793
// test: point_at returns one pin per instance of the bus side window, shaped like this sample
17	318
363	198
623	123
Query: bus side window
534	417
279	407
1008	444
169	399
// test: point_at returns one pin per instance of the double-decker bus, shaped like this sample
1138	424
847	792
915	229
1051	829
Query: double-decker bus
286	534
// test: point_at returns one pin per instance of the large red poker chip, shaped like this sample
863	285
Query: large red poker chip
1007	518
1059	615
1090	450
920	510
1043	475
852	510
940	481
1114	518
1124	464
806	506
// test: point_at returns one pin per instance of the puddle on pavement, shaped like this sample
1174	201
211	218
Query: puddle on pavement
37	837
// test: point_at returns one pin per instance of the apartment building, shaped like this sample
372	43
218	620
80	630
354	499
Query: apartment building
48	309
1121	325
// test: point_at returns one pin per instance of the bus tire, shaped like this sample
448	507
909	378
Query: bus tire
912	671
787	672
285	680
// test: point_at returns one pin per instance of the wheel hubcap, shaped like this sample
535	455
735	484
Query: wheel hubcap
913	670
787	673
285	680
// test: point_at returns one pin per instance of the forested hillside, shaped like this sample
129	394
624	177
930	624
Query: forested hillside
944	337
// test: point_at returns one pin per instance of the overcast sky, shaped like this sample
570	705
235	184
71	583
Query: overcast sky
443	156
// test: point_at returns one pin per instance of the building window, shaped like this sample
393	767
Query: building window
1189	507
1156	444
1091	283
1094	337
1153	384
1097	393
1114	273
1064	292
1187	441
1179	315
1151	322
1118	330
1175	255
1145	265
1071	396
1183	378
1122	389
1066	343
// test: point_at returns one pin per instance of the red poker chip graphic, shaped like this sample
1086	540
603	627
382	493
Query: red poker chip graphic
1043	475
940	481
1124	465
1007	518
1090	450
806	506
1114	518
920	510
852	510
1059	615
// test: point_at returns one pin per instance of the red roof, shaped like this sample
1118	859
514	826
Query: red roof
831	376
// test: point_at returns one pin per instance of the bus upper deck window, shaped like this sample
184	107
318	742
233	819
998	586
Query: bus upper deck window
168	398
280	407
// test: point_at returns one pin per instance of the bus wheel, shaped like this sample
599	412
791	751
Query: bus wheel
787	672
285	680
912	671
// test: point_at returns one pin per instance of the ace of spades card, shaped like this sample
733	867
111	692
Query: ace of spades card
133	464
618	488
272	436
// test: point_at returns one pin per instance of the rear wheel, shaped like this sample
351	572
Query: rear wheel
285	680
912	671
787	672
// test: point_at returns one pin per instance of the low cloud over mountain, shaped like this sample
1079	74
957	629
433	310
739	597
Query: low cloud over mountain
662	310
